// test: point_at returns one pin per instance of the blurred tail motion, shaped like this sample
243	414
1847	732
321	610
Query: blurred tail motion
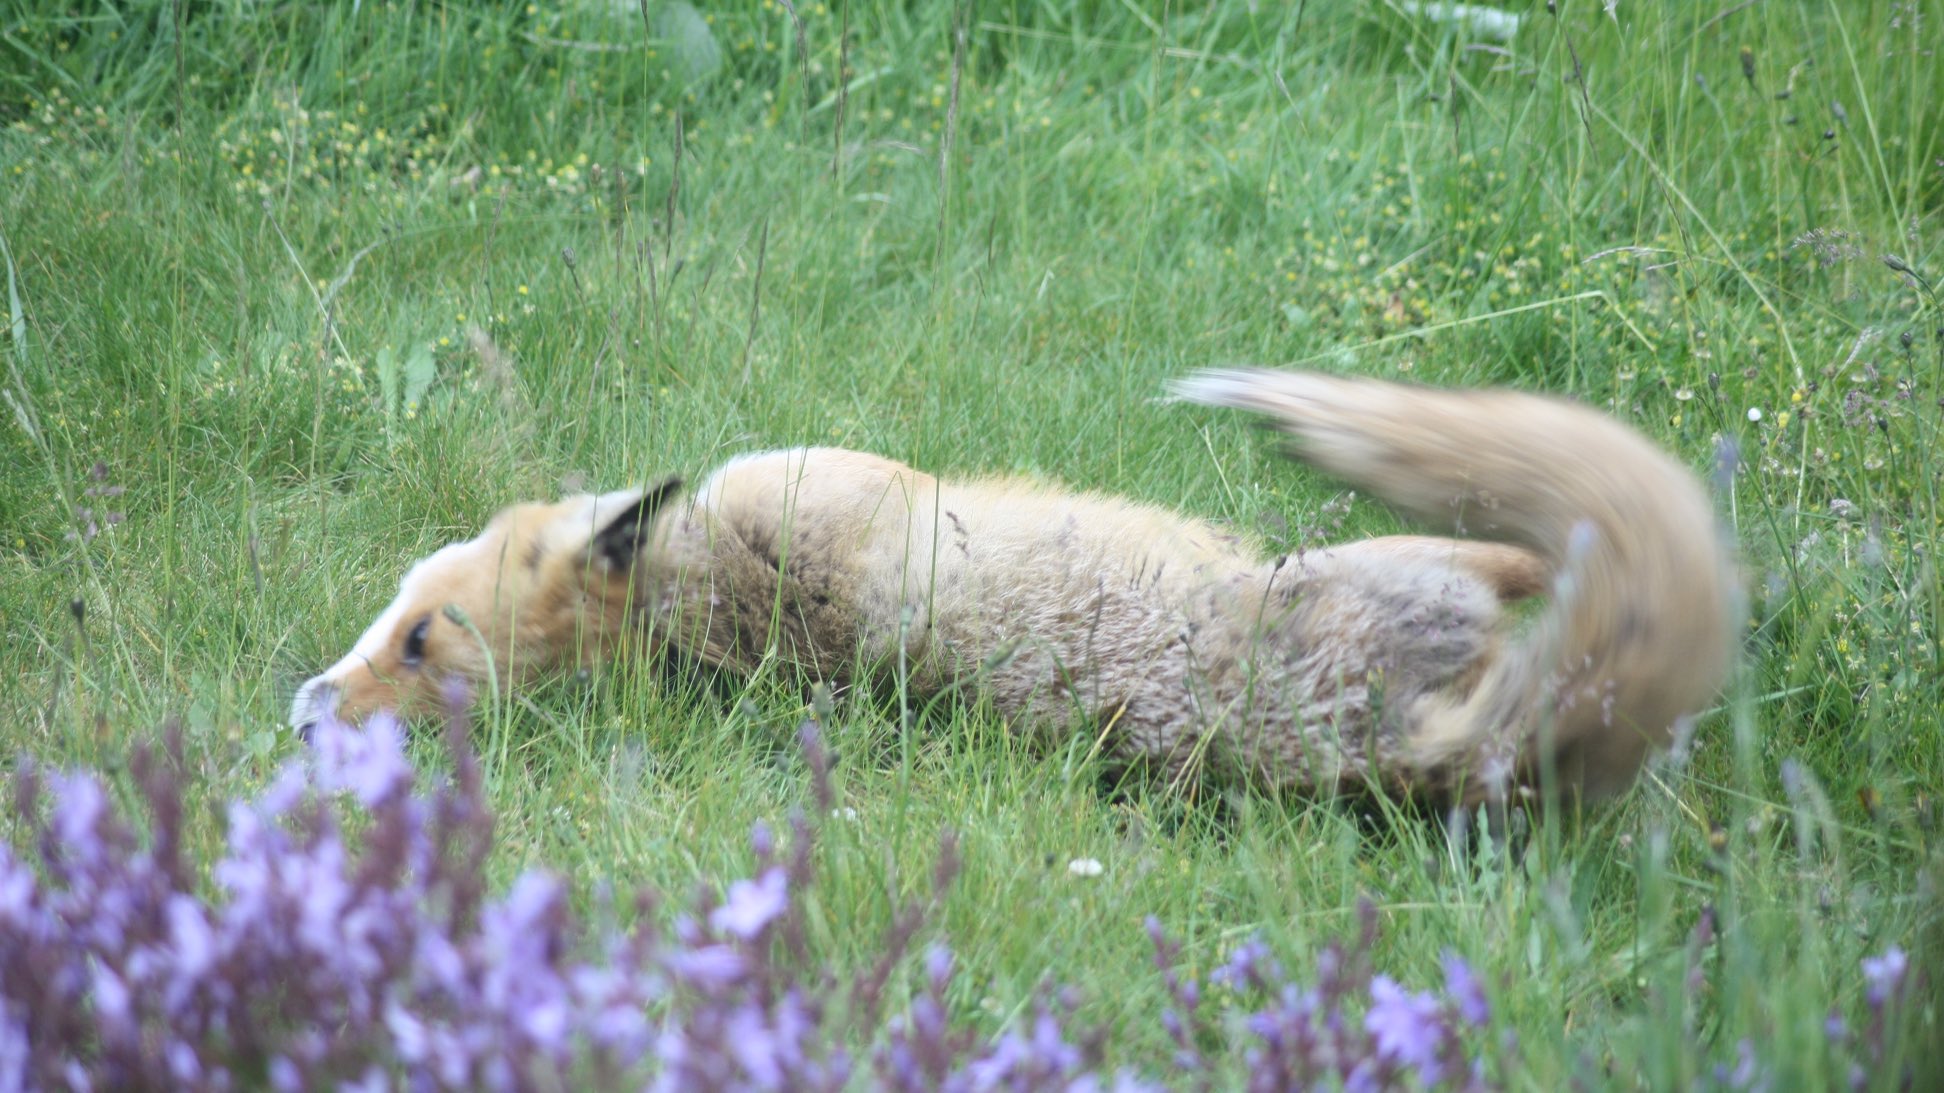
1642	626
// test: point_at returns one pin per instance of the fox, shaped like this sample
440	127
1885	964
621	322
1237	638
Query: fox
1571	608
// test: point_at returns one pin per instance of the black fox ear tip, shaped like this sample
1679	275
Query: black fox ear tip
623	536
657	494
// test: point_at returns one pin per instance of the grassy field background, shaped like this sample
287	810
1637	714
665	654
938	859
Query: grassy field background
298	292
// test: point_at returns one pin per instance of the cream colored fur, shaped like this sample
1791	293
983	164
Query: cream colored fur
1383	663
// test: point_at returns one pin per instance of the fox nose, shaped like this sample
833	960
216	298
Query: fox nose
316	700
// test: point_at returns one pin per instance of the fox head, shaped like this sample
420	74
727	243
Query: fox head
542	588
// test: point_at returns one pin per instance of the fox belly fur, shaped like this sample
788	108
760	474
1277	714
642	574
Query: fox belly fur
1386	663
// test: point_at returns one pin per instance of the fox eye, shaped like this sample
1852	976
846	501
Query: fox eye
414	653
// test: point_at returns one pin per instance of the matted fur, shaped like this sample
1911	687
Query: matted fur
1383	663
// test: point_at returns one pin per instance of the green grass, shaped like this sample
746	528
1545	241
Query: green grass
237	233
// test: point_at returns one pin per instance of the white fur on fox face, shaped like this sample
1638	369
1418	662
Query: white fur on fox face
523	585
318	697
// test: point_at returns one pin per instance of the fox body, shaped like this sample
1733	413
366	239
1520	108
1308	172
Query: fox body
1387	663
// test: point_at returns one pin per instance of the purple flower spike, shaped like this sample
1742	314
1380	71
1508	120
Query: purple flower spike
711	966
1405	1027
938	966
349	942
1466	990
1249	965
369	762
752	905
1884	975
80	806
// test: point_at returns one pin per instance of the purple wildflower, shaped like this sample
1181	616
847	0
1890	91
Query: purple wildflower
1250	965
1406	1028
80	807
1884	975
938	966
762	840
752	905
1466	990
362	953
369	762
710	966
1748	1069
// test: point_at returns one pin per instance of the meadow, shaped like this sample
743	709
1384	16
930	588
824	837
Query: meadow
298	292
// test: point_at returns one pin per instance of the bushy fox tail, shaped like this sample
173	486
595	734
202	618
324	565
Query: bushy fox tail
1642	625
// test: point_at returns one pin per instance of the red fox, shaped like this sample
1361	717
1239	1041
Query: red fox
1387	664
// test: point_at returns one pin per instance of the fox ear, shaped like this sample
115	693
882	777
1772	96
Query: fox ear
621	537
